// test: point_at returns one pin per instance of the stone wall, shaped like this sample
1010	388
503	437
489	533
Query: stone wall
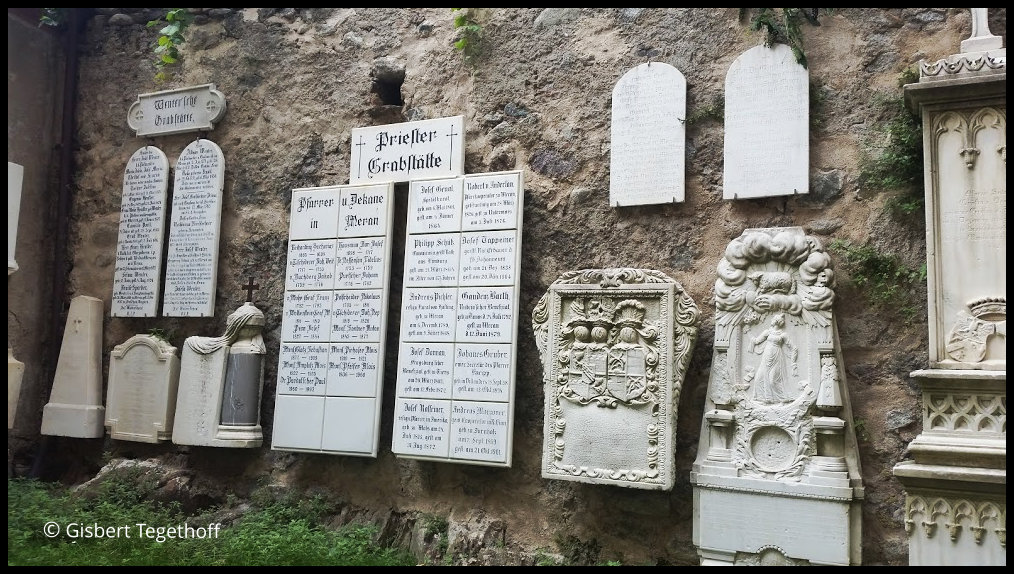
536	97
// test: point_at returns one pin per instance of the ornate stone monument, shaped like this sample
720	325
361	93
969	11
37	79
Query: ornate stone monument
75	402
144	374
615	345
777	478
220	384
956	480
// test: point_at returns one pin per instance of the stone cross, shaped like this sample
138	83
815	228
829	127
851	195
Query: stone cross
981	39
250	287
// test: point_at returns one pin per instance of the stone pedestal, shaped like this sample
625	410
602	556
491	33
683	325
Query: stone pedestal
75	403
956	478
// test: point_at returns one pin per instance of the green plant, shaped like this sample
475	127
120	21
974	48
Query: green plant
166	47
715	110
469	33
437	526
859	425
784	27
896	162
886	281
55	17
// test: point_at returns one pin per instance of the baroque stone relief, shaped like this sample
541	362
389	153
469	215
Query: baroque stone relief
776	428
615	344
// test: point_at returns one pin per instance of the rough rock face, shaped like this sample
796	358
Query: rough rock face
535	96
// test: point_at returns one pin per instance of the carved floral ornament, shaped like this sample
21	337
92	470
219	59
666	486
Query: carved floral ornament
980	517
969	126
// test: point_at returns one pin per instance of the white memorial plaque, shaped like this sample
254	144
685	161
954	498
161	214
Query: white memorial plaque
647	163
410	150
364	211
424	370
432	260
194	231
311	265
192	109
486	315
137	280
352	370
357	315
492	201
306	316
428	314
459	318
482	372
361	263
479	431
421	427
302	368
767	125
488	258
334	321
434	206
314	213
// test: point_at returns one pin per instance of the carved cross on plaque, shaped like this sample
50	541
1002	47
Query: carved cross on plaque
250	287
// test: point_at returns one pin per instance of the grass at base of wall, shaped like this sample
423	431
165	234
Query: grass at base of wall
47	525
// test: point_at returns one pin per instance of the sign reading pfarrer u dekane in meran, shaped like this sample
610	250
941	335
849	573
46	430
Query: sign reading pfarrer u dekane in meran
192	109
408	151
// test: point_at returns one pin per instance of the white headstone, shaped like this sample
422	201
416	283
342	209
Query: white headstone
15	371
177	111
777	477
767	125
615	345
410	150
334	319
137	279
194	230
144	374
456	362
75	403
647	163
220	383
15	178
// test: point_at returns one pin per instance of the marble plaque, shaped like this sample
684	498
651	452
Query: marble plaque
314	213
459	319
15	179
488	258
432	260
615	345
434	206
334	320
75	403
492	201
767	125
303	368
428	314
194	231
361	263
183	110
421	427
144	373
647	156
136	281
479	431
486	315
424	370
306	316
311	265
406	151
